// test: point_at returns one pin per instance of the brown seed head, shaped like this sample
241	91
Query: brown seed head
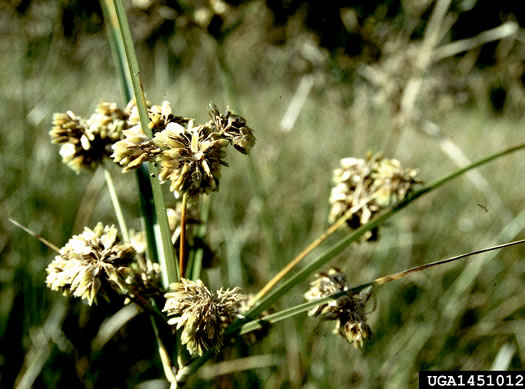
348	310
85	143
391	183
191	158
364	187
79	147
232	127
203	316
108	121
135	149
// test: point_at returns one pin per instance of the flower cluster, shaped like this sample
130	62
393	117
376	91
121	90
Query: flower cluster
86	142
91	263
145	278
202	315
190	156
363	187
233	127
348	310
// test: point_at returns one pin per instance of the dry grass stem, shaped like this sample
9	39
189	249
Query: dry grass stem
36	236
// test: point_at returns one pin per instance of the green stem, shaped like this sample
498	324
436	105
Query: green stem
146	205
182	240
148	212
164	355
117	48
118	29
116	203
196	266
167	255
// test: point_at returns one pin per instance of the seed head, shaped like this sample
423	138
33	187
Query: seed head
161	116
202	315
135	149
348	311
364	187
108	121
144	277
191	158
72	133
85	143
391	183
91	263
232	127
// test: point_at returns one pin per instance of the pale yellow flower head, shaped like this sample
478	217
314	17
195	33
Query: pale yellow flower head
202	315
85	143
90	264
191	158
364	187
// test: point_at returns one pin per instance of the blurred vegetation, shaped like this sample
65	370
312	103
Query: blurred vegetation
458	317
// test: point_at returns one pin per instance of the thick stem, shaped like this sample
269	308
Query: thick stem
146	205
166	252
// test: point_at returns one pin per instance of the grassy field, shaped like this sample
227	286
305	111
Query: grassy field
464	316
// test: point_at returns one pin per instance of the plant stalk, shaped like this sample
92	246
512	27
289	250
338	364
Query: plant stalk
196	266
146	204
182	245
293	311
164	355
116	204
167	254
292	264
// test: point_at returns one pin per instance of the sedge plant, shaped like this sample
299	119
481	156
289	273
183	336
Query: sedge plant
160	270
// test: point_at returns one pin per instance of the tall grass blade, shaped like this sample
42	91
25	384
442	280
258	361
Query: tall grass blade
117	49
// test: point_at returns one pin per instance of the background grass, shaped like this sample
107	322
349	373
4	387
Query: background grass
460	316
